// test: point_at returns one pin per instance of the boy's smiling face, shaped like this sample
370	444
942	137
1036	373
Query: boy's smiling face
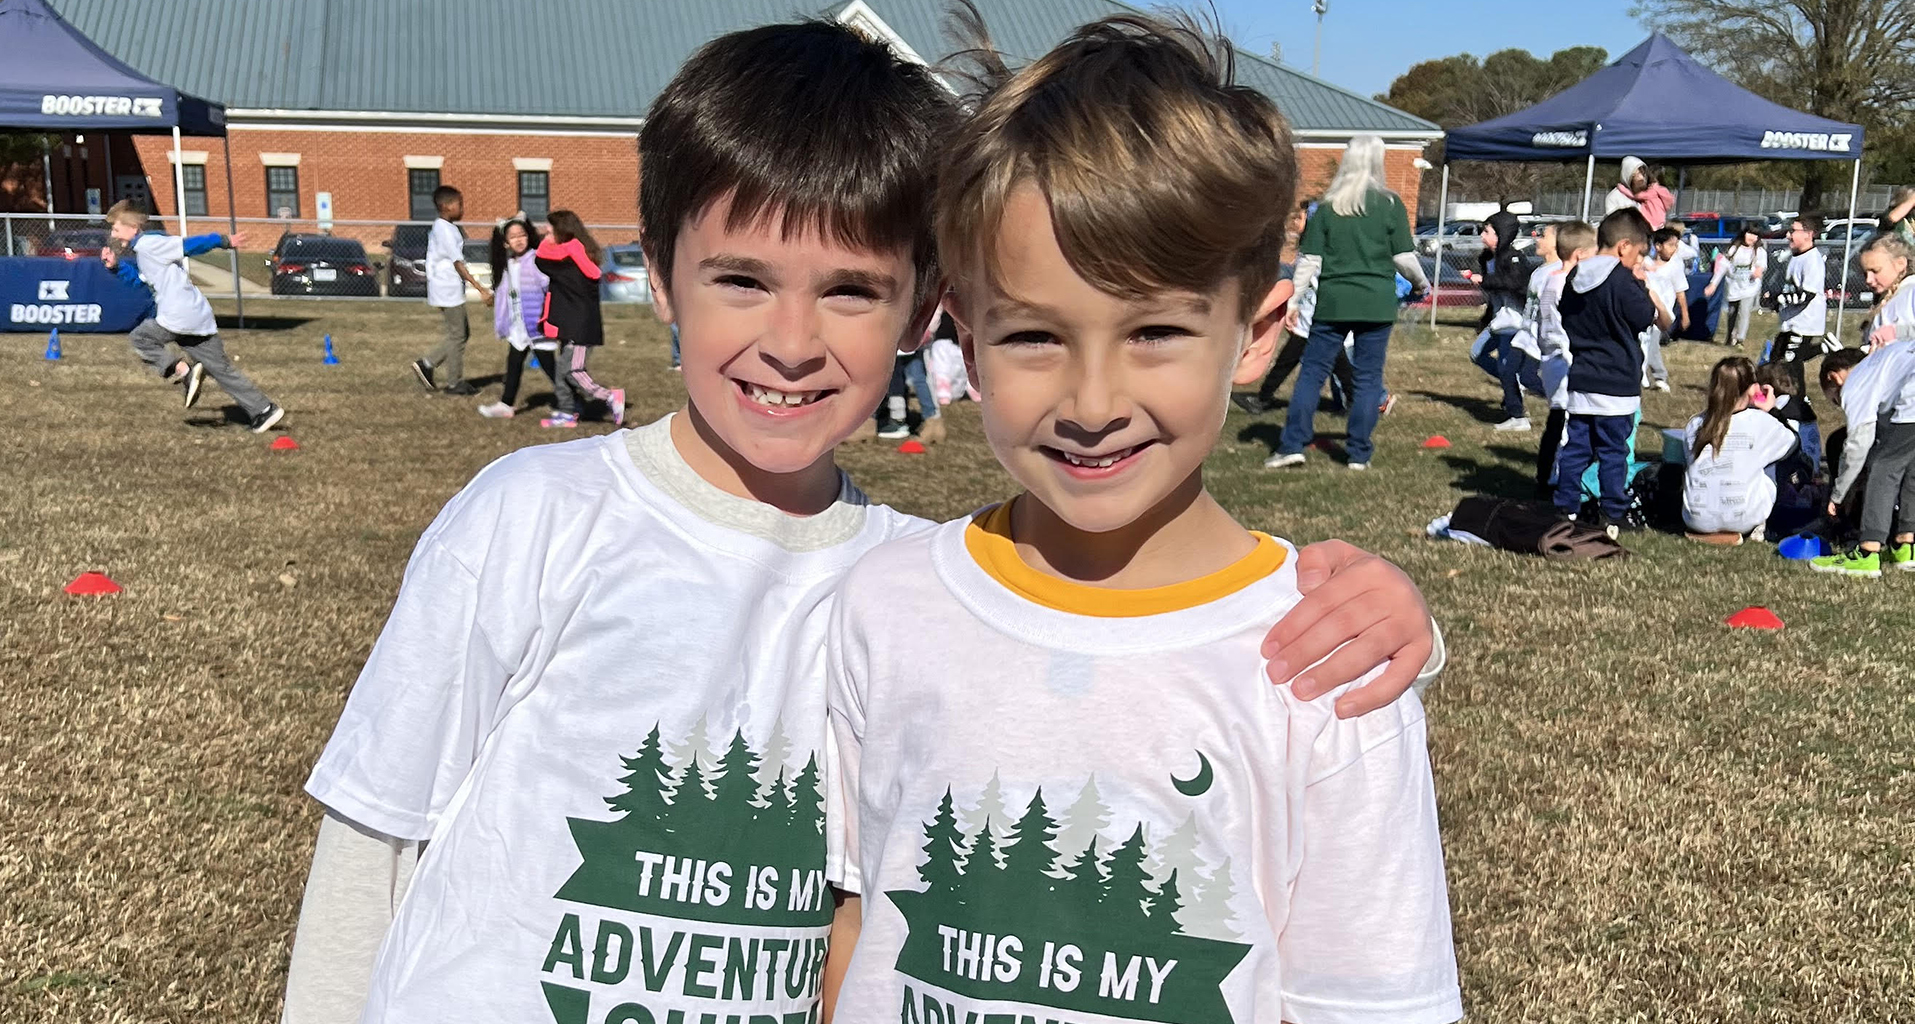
787	342
1101	407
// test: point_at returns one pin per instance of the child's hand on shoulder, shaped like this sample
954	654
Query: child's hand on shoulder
1365	610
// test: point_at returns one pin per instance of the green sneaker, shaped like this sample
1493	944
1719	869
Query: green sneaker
1902	556
1854	562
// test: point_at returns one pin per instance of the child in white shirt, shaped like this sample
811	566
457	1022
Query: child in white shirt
1109	824
1742	267
1670	283
1729	484
1575	241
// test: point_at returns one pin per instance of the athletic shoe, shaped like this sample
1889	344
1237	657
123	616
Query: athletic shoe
560	421
423	370
677	368
618	406
1252	404
1758	535
496	411
893	431
931	431
461	389
195	377
1389	402
1902	556
1359	466
1283	461
1661	385
267	417
1854	562
1514	425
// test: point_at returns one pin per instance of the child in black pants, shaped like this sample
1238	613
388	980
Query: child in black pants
1605	308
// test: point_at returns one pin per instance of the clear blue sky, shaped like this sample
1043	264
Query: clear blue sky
1367	43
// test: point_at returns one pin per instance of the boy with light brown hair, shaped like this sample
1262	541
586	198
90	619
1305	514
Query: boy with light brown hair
1110	824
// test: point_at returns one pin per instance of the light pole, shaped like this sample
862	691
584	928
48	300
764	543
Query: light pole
1321	7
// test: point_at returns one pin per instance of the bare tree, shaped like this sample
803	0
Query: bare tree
1848	60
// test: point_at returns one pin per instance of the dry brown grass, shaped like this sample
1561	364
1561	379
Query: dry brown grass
1647	816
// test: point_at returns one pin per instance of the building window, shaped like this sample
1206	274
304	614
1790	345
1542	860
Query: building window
282	192
420	184
535	193
194	176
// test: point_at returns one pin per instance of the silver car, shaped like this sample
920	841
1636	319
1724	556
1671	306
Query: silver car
623	277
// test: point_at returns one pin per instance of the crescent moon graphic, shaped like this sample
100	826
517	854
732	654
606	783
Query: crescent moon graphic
1198	785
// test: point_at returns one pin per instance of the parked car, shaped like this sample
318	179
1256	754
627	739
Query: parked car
623	275
1842	229
321	265
74	244
1458	236
478	262
406	275
1452	288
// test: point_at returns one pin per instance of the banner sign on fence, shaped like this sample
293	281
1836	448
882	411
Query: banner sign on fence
38	293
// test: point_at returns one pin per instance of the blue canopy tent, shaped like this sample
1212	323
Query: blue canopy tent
54	79
1657	103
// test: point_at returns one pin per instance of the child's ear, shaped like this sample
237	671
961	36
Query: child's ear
1266	328
661	294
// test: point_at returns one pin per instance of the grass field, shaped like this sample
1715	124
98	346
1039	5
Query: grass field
1647	816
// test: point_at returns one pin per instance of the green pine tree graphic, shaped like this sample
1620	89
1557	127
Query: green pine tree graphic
943	849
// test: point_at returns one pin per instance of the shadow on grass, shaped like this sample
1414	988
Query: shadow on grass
1494	479
255	322
1483	410
229	416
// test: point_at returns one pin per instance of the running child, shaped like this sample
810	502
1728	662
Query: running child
180	341
446	278
1120	608
1734	448
516	307
1742	267
1877	394
570	261
603	672
1605	309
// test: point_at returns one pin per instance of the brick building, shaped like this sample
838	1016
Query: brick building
375	102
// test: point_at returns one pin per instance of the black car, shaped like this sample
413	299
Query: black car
321	265
74	244
407	275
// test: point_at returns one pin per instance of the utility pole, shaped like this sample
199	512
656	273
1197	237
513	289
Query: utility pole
1322	7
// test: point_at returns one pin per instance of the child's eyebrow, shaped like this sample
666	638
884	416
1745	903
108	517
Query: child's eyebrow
883	284
729	263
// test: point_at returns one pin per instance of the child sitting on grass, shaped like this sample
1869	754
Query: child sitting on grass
1729	485
1877	394
1119	606
603	673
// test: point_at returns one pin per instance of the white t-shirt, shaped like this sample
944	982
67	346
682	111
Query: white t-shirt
1725	489
445	246
1670	283
570	641
1529	337
1302	850
1746	267
1897	309
1551	340
180	307
1881	387
1810	318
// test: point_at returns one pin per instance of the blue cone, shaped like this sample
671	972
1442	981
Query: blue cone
1801	547
331	359
53	344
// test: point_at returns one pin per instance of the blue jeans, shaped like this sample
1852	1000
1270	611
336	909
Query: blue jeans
1490	359
1319	356
1517	370
1811	438
1604	440
919	378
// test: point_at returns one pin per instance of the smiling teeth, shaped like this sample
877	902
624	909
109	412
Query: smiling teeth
782	399
1101	462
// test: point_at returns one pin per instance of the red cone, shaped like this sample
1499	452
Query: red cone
92	583
1754	617
1437	441
282	443
912	447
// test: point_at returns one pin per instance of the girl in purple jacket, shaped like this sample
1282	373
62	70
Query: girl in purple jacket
518	297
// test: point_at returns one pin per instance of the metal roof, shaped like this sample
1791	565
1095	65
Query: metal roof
560	59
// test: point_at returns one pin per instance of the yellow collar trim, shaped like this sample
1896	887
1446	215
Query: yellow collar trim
988	539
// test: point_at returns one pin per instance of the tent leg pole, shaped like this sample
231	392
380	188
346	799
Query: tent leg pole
1436	265
110	193
179	181
232	228
46	171
1589	184
1848	247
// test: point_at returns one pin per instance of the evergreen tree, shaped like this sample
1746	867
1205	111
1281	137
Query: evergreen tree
1209	914
1164	908
695	748
737	786
807	800
1028	860
990	807
777	753
1126	884
943	847
691	787
778	801
1080	891
647	778
983	871
1178	853
1084	821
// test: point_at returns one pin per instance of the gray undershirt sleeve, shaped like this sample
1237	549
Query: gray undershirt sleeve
357	879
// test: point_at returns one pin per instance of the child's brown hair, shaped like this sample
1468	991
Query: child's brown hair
1728	386
1160	172
811	125
566	226
1572	236
129	211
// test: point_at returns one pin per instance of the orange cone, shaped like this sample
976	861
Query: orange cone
1754	617
282	443
1437	441
92	583
912	447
